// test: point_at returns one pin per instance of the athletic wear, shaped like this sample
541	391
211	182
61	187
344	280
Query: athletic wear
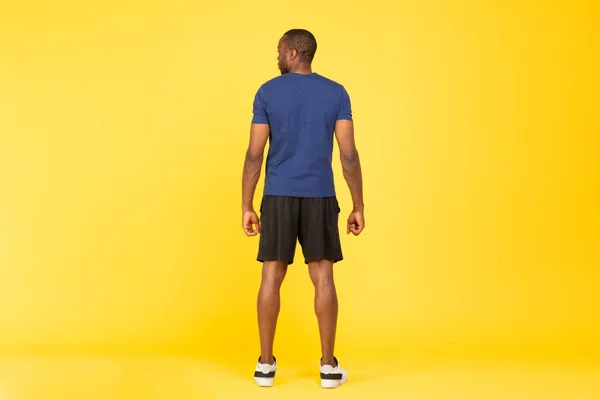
332	377
299	201
311	221
264	374
302	110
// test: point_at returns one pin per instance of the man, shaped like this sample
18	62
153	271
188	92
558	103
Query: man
299	112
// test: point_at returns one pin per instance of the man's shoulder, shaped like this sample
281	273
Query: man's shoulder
272	82
284	79
329	81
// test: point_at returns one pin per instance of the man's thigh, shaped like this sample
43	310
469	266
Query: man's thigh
279	227
319	232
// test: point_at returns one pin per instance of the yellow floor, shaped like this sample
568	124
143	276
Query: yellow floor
166	378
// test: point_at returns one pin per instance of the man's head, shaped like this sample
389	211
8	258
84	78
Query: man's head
296	47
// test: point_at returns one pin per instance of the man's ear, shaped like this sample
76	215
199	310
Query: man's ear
293	53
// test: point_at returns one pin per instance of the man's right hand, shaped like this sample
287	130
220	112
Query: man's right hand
356	223
250	223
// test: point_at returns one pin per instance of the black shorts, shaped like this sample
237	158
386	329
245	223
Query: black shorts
311	221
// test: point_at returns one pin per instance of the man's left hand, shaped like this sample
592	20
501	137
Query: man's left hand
250	223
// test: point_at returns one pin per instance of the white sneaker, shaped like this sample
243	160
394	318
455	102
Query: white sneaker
264	374
332	377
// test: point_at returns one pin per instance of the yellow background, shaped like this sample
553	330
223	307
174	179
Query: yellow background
123	126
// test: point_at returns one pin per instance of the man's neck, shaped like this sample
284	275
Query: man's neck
302	69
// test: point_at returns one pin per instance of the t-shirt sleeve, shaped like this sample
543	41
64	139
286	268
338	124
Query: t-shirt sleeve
345	106
259	109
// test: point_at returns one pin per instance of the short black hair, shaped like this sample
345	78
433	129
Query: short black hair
303	42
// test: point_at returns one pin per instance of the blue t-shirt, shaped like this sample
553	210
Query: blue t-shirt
301	110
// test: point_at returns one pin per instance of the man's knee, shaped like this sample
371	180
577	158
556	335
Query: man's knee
273	272
321	273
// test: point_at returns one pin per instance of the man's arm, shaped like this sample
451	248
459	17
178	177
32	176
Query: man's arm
259	134
344	133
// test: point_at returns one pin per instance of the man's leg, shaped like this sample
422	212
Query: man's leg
326	306
268	304
319	237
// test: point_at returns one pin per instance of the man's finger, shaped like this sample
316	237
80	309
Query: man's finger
248	228
357	228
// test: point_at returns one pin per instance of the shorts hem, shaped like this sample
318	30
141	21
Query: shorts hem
335	260
262	260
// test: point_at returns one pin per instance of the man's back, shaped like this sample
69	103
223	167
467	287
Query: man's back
302	110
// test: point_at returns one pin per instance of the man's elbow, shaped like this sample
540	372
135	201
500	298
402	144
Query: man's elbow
254	157
350	158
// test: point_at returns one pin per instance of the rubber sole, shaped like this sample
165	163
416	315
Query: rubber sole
264	382
332	383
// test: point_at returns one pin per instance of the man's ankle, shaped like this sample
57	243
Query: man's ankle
267	360
328	361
